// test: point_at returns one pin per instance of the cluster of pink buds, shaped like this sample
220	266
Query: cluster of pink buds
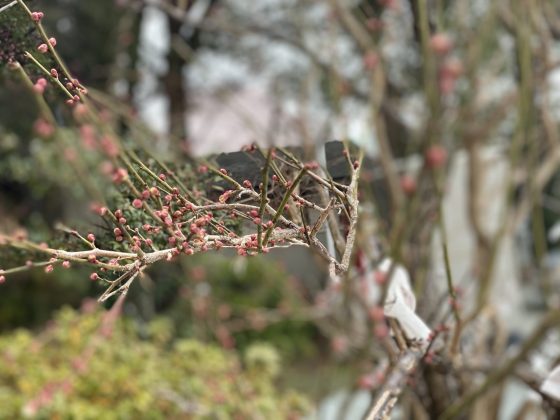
370	381
120	217
37	16
73	101
197	227
226	196
164	215
118	234
311	166
119	175
43	48
99	209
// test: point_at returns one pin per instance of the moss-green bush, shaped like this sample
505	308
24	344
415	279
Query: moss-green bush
84	366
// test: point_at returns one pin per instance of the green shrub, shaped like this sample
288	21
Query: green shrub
84	366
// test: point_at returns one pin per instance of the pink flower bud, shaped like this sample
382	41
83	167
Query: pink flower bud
109	146
66	264
225	196
441	43
52	41
380	277
381	330
374	24
366	382
376	313
408	184
137	203
43	48
43	128
40	89
2	279
54	73
452	67
93	276
436	156
49	268
91	237
371	60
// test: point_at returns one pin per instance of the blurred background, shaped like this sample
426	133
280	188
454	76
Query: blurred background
205	77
